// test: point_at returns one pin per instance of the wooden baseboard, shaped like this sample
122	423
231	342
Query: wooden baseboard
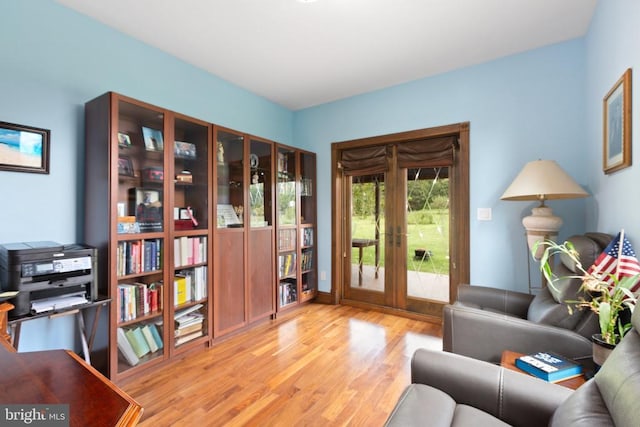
324	298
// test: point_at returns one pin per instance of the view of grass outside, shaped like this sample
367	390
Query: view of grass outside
432	236
427	223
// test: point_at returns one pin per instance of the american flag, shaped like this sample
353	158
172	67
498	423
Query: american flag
608	263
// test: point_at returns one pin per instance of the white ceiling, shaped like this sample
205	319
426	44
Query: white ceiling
303	54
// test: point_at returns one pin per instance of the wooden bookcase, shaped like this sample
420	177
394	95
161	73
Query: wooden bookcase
188	218
147	210
295	227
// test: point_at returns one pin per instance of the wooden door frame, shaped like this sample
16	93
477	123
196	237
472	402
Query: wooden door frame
459	220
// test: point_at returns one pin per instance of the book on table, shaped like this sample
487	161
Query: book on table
549	366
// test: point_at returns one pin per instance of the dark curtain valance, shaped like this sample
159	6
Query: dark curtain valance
432	152
363	161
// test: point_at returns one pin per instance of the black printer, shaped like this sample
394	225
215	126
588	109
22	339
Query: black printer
45	273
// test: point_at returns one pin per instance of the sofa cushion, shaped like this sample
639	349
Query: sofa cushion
584	407
566	288
422	405
545	310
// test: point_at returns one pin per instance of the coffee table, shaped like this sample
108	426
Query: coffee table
508	361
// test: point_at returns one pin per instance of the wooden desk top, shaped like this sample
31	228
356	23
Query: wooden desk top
508	361
361	243
61	377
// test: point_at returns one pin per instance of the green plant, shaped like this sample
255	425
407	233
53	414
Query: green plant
606	300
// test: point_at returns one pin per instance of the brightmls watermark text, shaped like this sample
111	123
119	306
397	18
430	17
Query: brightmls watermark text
34	415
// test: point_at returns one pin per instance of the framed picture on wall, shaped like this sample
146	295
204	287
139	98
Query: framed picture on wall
24	148
616	152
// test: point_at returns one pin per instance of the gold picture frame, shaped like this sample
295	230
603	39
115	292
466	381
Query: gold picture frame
616	141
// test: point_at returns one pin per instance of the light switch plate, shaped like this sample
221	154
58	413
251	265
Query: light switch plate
484	214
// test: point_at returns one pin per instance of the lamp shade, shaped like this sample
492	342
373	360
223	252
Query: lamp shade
543	180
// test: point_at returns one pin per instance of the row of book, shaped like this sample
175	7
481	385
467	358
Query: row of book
307	236
135	343
306	260
288	293
287	239
138	299
189	250
139	256
287	264
189	324
190	285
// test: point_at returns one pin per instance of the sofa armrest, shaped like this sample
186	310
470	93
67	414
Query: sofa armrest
485	335
498	300
515	398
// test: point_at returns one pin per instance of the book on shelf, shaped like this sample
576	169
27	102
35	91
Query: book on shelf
156	335
138	341
186	338
181	289
185	330
126	349
148	335
189	319
549	366
181	313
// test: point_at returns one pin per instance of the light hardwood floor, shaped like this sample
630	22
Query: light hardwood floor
320	366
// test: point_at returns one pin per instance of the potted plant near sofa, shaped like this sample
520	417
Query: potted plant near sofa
610	295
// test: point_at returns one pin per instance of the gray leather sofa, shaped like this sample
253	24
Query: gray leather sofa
448	389
484	321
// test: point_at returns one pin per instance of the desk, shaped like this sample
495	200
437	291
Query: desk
61	377
79	310
508	361
361	244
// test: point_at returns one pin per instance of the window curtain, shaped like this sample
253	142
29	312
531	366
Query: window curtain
432	152
364	161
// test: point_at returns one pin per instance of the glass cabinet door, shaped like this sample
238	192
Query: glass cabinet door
286	187
307	190
260	187
230	179
191	175
140	223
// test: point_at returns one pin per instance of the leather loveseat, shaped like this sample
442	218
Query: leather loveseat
449	389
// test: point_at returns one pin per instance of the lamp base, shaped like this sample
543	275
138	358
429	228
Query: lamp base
541	225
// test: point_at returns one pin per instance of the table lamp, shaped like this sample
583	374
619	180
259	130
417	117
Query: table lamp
542	180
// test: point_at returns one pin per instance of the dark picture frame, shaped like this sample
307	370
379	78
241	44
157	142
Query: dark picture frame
616	141
153	140
24	148
125	166
124	140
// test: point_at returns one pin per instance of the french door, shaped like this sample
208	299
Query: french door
397	220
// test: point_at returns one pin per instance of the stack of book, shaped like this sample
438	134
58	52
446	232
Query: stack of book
188	324
136	342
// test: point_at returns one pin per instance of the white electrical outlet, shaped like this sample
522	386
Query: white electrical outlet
323	275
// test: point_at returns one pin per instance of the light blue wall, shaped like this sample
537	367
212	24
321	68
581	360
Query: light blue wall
541	104
613	45
53	61
520	108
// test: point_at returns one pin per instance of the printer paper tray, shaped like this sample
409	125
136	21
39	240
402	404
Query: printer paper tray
58	303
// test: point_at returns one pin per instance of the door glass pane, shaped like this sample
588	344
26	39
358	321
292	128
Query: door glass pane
428	233
367	236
